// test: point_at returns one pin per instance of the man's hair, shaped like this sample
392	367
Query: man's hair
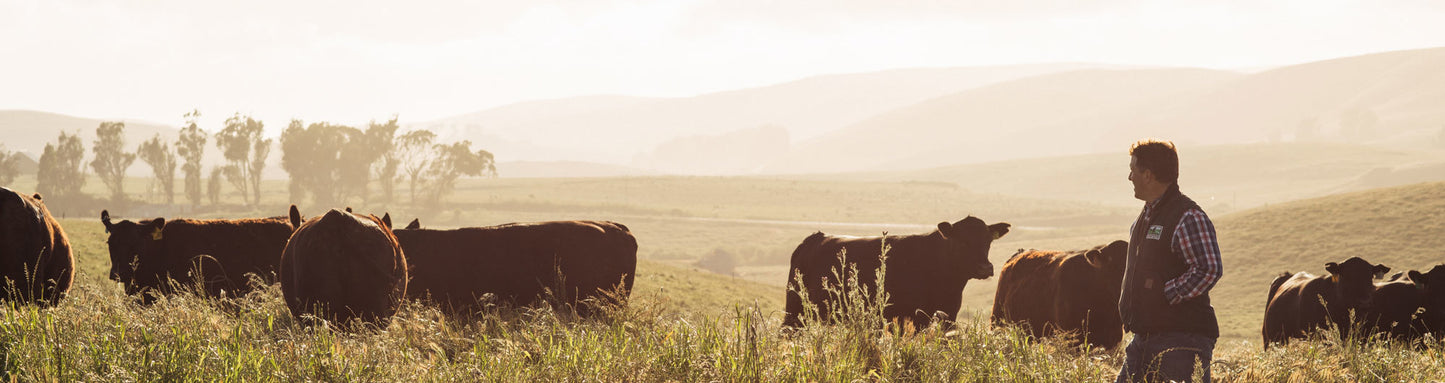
1158	157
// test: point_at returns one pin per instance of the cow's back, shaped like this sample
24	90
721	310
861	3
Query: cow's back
519	262
224	250
1295	308
35	253
918	283
343	267
1053	291
1028	287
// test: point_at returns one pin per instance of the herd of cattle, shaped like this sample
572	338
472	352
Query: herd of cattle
343	266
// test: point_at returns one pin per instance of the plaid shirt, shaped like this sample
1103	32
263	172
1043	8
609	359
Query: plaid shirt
1194	237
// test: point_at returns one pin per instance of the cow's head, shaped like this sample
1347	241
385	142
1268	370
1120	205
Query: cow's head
1109	259
130	244
1433	284
1355	280
968	244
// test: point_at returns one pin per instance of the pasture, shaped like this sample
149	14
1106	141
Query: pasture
685	324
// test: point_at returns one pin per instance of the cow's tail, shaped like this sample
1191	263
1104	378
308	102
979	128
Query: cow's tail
1274	287
794	300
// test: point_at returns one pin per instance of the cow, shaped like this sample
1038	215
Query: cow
1053	292
159	255
925	273
1412	296
1301	303
36	264
577	262
342	267
1393	305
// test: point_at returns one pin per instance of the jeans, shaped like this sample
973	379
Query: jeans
1166	357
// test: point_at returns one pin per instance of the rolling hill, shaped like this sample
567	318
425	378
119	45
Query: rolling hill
979	124
612	129
1222	177
1390	99
29	131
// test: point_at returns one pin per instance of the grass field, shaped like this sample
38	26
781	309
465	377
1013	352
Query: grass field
688	325
682	325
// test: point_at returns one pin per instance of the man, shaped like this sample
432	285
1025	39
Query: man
1173	261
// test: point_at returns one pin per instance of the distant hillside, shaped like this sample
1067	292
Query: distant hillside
613	129
564	169
1221	176
1389	99
736	152
29	131
980	124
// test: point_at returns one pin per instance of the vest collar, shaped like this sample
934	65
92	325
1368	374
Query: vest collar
1170	194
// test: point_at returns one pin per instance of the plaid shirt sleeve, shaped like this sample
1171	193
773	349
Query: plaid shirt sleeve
1194	237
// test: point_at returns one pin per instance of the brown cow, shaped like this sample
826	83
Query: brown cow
1432	282
36	265
517	263
1393	305
925	276
1410	305
1064	292
159	255
1294	308
343	266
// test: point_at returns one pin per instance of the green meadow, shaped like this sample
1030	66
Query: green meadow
687	324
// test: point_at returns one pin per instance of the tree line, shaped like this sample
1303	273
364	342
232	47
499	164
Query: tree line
327	164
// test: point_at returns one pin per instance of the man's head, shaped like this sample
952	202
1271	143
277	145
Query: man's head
1153	167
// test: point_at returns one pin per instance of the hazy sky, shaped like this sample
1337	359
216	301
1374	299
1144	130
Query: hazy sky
351	61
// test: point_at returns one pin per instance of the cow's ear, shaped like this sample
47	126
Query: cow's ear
295	217
415	224
105	219
1418	277
1095	258
943	228
998	229
386	219
1332	267
158	227
1380	270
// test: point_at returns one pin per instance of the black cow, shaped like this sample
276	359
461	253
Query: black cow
925	276
1294	307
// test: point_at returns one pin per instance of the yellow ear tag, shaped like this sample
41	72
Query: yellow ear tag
156	235
996	236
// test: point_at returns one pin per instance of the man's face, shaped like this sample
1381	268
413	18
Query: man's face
1140	177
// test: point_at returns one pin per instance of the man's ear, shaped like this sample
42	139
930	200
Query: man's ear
1332	267
1380	270
998	229
943	228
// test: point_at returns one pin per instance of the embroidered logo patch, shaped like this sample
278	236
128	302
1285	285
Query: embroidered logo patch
1155	232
